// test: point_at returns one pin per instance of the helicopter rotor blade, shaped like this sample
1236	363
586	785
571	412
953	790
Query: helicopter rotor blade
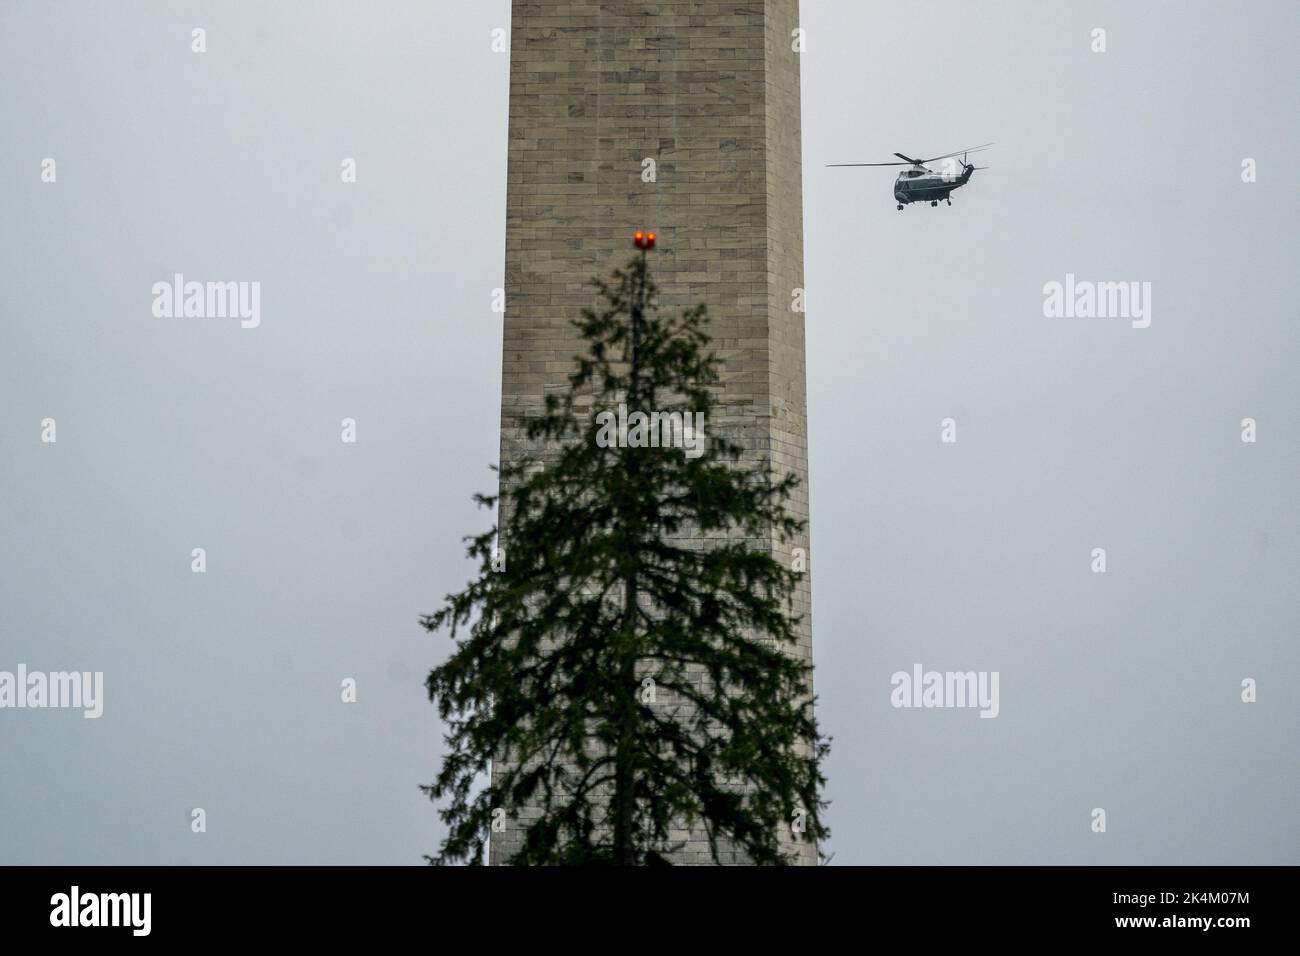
960	152
920	163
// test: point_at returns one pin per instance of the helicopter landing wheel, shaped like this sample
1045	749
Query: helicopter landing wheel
949	202
934	202
900	207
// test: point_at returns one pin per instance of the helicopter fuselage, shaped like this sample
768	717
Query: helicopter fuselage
927	185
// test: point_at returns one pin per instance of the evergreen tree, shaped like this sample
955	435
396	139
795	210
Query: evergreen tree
623	650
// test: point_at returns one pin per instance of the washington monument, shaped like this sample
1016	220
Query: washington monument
679	116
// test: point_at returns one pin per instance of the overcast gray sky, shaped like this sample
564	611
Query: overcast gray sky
222	690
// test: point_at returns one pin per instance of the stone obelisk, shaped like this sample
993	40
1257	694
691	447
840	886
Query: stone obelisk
680	116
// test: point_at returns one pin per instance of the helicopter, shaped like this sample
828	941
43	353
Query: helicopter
920	183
